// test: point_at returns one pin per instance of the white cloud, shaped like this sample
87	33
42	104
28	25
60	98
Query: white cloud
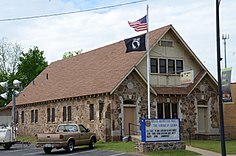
194	20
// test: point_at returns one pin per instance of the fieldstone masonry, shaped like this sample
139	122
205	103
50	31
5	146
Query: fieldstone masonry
108	127
144	147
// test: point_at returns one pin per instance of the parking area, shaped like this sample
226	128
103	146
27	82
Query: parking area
28	150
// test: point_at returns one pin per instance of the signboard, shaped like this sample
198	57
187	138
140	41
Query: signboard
226	81
159	130
187	77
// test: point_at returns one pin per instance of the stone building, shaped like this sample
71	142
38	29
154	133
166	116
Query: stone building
5	116
106	88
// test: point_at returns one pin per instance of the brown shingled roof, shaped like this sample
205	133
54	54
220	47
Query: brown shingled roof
94	72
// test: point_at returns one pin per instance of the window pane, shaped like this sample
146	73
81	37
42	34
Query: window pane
101	105
167	110
32	115
36	116
171	66
160	111
64	113
154	65
82	129
22	117
53	114
69	113
179	66
91	112
174	111
162	65
48	115
17	118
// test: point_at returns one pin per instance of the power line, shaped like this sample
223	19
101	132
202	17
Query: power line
71	12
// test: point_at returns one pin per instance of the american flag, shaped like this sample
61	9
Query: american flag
139	25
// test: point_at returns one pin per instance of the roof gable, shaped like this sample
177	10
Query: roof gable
94	72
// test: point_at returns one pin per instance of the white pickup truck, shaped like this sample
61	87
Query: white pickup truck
7	137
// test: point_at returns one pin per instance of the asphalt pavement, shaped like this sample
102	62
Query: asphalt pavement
31	150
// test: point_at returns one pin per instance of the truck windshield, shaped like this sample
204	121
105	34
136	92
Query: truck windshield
67	128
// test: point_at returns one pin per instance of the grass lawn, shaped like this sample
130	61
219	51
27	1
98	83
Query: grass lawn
214	145
129	147
30	139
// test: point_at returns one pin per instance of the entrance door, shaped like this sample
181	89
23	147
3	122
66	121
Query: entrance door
129	117
202	119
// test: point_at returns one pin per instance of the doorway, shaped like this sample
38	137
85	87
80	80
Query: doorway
202	119
129	117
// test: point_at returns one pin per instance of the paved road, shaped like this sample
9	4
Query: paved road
30	150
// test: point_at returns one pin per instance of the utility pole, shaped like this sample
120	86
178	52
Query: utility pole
222	131
225	37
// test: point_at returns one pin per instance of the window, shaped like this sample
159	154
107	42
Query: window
17	117
174	111
64	113
53	114
160	111
32	116
69	113
101	105
48	115
154	65
22	117
36	116
179	66
91	108
166	43
82	129
171	66
67	116
167	110
162	65
67	128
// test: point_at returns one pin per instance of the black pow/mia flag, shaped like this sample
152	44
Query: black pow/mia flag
136	43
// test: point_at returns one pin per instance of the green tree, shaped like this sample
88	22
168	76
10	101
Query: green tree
31	65
71	53
9	60
9	56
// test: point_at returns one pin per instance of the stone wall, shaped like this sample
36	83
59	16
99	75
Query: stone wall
136	93
108	128
203	95
80	114
144	147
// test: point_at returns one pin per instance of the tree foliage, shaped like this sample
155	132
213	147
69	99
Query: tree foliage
9	57
15	64
71	53
31	65
9	60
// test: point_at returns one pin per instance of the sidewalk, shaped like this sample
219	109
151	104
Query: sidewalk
203	152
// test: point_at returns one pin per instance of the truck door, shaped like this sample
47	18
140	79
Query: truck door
84	135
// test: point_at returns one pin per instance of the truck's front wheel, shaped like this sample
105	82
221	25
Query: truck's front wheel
70	146
92	143
47	150
7	146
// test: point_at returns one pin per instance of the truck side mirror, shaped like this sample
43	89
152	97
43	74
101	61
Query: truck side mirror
87	130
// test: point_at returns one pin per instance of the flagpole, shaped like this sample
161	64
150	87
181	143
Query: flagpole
148	66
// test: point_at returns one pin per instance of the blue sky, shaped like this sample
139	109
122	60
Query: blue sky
194	20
